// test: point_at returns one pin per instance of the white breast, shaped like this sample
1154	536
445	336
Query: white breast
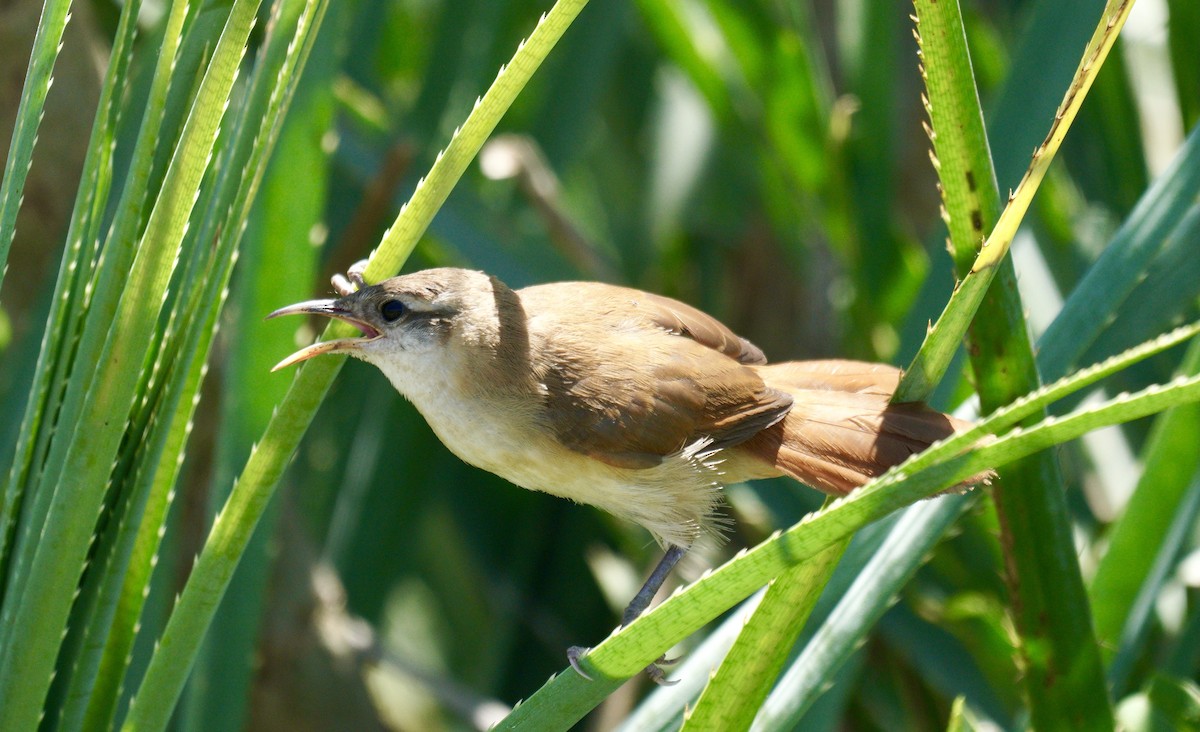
675	501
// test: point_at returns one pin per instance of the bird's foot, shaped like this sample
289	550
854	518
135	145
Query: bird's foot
637	606
574	653
352	281
654	670
656	673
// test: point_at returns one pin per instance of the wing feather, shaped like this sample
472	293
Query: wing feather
664	375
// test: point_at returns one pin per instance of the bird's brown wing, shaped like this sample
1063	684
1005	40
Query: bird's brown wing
660	375
634	406
682	319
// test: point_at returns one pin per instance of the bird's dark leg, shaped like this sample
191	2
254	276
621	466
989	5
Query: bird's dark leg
654	582
636	607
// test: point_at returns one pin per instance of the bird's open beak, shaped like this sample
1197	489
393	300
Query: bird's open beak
330	309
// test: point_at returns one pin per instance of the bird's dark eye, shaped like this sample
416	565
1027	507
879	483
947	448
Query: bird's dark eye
392	310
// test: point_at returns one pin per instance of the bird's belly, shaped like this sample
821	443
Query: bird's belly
675	500
519	456
533	461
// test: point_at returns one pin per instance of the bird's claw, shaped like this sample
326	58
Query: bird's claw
656	674
574	653
356	271
352	281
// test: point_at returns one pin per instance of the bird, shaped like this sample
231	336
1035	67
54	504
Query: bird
632	402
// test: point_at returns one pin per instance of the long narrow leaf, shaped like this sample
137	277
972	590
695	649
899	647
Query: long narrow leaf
739	686
91	199
1140	618
114	628
1047	594
38	78
270	270
1140	535
914	535
77	332
45	604
1121	267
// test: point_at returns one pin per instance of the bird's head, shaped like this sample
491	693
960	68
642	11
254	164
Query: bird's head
405	319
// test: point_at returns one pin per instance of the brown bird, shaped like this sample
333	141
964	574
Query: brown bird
629	401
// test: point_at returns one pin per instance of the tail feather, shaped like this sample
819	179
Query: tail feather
842	430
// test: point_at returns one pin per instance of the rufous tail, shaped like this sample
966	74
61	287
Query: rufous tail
843	430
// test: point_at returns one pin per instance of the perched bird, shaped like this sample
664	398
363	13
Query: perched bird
629	401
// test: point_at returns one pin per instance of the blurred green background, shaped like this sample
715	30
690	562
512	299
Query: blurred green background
763	160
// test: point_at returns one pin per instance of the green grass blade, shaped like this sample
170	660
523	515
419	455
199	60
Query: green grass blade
1171	462
97	684
271	270
92	704
74	269
1047	590
1140	619
38	78
739	686
962	157
943	340
106	605
87	323
61	552
918	530
1106	286
1060	661
1001	236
